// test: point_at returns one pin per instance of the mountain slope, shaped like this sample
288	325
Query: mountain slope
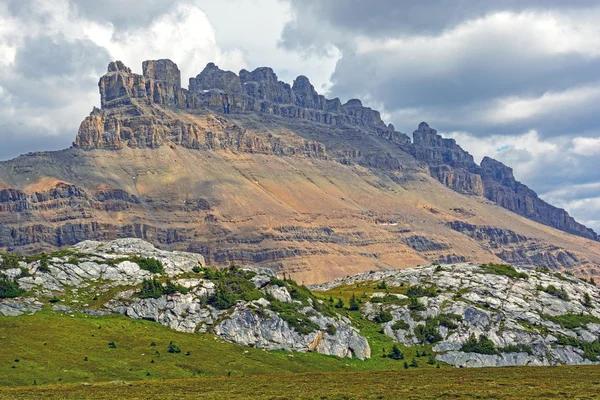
252	170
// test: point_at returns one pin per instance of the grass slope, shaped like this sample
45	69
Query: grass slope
52	348
491	383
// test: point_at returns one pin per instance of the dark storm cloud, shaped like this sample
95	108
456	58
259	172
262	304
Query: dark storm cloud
124	14
434	56
490	69
55	56
385	18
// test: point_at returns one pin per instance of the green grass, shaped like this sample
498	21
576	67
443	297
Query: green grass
581	382
51	348
572	321
503	269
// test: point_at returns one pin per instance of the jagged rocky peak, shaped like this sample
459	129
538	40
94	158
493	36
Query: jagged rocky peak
212	77
425	136
162	71
498	170
353	103
263	84
306	94
118	66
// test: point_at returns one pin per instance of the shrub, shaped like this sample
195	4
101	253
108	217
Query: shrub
300	293
173	348
572	321
331	329
383	316
504	269
9	262
520	348
396	353
587	301
381	285
354	304
54	299
172	288
405	365
591	350
197	269
151	289
428	333
44	266
414	363
112	345
415	304
222	299
431	360
388	299
233	284
420	291
483	345
277	282
149	264
448	320
9	289
552	290
400	325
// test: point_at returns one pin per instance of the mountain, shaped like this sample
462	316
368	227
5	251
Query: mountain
245	168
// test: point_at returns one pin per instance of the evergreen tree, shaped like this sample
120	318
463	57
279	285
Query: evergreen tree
396	353
354	304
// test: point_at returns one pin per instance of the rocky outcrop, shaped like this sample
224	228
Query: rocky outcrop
93	268
518	249
524	316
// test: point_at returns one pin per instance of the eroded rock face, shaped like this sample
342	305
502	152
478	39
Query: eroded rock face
518	249
519	314
502	188
455	168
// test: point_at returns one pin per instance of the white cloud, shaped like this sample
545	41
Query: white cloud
586	146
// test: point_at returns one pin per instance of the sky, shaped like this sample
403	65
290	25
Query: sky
516	80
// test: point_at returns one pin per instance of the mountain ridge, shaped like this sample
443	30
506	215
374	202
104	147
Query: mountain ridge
260	91
244	177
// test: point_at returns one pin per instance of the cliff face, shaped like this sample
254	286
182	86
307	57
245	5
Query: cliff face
455	168
248	169
261	92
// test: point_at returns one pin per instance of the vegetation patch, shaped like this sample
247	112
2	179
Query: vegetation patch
9	289
388	299
232	284
400	325
290	313
552	290
481	345
428	333
146	263
503	269
422	291
572	321
383	316
153	289
591	350
514	348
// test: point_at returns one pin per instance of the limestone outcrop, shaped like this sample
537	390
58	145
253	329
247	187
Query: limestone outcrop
186	302
487	315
